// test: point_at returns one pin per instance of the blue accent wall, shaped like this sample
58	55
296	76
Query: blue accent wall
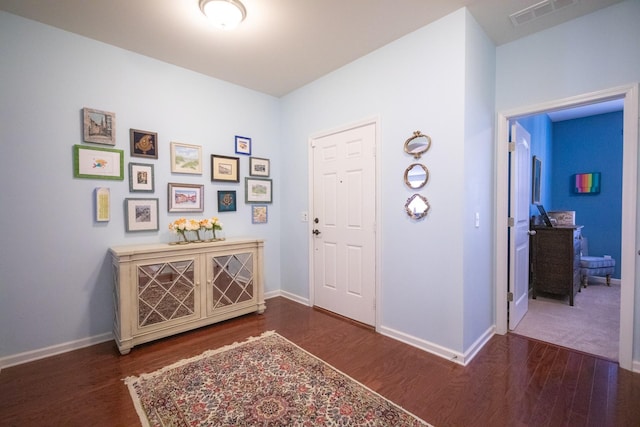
539	127
591	144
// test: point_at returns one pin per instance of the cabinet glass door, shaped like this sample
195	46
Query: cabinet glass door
232	279
166	291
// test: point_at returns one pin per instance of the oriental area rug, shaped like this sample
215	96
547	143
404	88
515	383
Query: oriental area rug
263	381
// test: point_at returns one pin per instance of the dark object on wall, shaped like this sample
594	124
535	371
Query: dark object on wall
586	183
536	173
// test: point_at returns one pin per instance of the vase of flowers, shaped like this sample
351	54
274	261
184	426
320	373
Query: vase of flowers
193	227
210	226
179	227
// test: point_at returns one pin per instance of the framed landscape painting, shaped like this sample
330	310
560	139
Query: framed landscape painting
258	190
224	168
186	158
99	126
186	197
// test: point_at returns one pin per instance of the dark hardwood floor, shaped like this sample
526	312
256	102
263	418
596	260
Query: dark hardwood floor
513	381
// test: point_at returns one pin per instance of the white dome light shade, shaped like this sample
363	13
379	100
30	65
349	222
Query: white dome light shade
226	14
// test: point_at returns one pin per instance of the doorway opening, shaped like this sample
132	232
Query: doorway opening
629	96
564	143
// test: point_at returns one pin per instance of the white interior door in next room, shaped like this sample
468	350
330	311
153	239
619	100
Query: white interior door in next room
519	233
344	217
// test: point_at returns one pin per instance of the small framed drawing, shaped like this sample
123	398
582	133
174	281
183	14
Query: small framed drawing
226	201
98	163
225	168
258	166
143	143
186	197
141	177
259	214
141	214
257	190
186	158
243	145
103	204
99	126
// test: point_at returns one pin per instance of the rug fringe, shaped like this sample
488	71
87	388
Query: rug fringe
197	357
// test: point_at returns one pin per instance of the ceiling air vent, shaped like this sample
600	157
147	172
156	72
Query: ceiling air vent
539	10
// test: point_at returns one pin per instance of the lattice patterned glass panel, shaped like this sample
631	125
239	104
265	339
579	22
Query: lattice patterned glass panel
232	279
166	291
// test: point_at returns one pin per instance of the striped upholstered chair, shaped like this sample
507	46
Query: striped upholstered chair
594	265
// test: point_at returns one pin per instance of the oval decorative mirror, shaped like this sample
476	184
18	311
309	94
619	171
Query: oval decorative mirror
417	206
417	144
416	175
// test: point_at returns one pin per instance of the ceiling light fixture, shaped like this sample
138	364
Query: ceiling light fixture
226	14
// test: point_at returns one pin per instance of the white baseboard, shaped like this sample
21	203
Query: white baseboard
287	295
427	346
478	344
30	356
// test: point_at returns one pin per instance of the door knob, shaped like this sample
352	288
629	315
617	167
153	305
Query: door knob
532	232
316	232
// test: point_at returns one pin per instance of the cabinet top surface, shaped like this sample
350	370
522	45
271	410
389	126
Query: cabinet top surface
125	250
557	227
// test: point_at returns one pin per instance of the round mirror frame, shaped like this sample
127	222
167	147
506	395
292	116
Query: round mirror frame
417	214
419	184
416	153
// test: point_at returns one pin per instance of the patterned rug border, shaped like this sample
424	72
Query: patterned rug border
130	380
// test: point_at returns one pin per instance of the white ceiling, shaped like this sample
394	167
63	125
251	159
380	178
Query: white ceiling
282	44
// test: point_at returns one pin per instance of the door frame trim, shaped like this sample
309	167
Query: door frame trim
629	93
374	120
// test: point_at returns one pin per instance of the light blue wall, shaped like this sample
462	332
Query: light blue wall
55	281
55	278
591	144
416	83
595	52
478	307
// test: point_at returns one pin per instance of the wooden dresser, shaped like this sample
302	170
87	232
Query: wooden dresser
555	260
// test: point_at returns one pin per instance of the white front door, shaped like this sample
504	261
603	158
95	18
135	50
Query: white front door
520	197
343	219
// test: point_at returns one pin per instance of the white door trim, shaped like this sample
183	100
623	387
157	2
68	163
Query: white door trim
375	121
629	206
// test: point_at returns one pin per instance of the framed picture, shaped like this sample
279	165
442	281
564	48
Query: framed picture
141	214
259	214
186	158
536	174
99	126
143	143
103	204
186	197
243	145
587	183
226	201
225	168
141	177
258	166
98	163
257	190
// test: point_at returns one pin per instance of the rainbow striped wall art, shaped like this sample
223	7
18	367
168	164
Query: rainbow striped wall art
587	183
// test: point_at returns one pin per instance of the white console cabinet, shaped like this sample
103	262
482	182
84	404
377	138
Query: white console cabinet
163	289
